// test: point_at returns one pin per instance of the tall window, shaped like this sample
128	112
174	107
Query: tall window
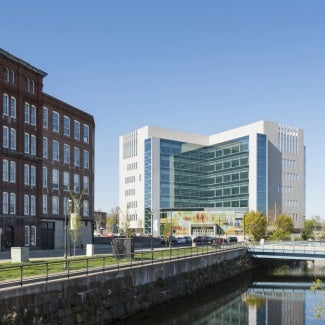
32	176
86	159
55	178
55	122
32	205
55	205
5	137
44	204
66	180
5	170
5	203
76	130
76	183
55	150
26	142
26	174
66	126
26	113
12	107
26	205
86	185
33	115
86	133
45	118
44	177
33	145
12	139
76	152
45	147
5	105
33	235
12	175
12	203
66	154
6	75
27	236
85	208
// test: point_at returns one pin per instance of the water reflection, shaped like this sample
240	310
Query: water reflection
284	298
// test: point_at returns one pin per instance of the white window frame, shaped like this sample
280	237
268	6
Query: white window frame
44	177
12	172
26	142
45	147
76	157
12	203
86	159
66	125
33	234
26	113
45	118
13	105
76	130
27	236
44	204
86	133
33	145
85	209
5	105
26	174
12	139
66	153
55	205
5	170
32	176
55	179
86	184
76	183
5	137
26	205
66	180
55	150
55	122
32	205
33	115
5	201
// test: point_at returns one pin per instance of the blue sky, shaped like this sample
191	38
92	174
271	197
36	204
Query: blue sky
194	66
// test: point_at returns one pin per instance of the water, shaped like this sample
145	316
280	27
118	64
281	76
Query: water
281	298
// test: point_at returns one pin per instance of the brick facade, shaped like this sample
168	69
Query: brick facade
33	203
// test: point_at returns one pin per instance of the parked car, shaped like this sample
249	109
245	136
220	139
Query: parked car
173	240
188	240
180	240
232	239
198	240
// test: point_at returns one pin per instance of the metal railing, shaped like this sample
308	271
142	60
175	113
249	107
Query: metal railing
22	274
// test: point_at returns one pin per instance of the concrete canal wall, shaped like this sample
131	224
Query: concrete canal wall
104	297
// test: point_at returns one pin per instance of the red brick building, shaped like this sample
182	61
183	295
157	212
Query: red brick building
46	148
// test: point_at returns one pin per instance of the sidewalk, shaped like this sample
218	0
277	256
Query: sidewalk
35	254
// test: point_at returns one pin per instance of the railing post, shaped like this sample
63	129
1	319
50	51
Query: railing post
21	275
87	265
47	272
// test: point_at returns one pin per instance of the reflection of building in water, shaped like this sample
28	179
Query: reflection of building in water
275	306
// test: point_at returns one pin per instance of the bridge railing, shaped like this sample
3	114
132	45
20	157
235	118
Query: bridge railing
49	270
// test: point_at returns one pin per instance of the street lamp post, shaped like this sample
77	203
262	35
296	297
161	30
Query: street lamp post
151	216
67	203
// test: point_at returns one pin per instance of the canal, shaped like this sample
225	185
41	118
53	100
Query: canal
281	296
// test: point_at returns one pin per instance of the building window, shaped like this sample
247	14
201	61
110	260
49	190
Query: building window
86	159
45	118
44	204
44	177
66	180
76	130
86	133
33	115
85	208
55	205
5	170
86	185
5	137
33	145
55	150
12	203
55	122
76	154
26	113
45	147
6	75
33	235
12	175
9	76
76	183
27	236
26	174
12	139
26	205
29	85
55	178
5	203
5	105
32	205
66	154
26	143
66	126
32	176
12	107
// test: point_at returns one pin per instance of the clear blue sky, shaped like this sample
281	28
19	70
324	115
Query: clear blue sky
201	66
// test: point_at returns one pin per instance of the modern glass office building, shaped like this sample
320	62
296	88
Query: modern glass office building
201	182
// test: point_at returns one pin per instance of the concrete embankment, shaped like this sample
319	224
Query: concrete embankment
104	297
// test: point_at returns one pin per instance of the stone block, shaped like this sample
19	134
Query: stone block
19	254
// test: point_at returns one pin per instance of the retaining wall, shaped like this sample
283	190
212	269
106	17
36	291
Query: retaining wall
105	297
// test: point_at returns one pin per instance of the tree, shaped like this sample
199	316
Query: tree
284	223
283	227
125	222
308	230
112	220
255	224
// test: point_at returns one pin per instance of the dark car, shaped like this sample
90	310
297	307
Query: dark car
232	239
188	239
198	240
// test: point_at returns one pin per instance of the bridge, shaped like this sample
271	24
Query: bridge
296	250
